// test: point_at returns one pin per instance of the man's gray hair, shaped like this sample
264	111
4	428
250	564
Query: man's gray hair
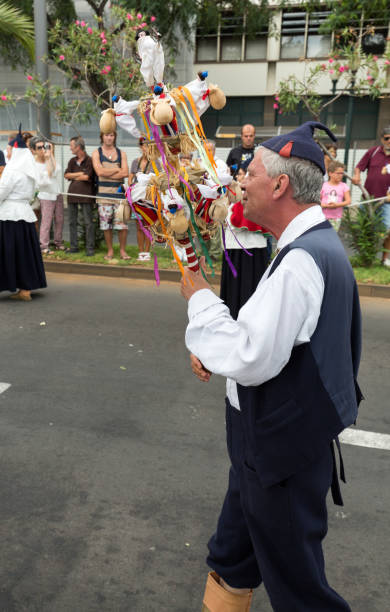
306	178
385	131
79	142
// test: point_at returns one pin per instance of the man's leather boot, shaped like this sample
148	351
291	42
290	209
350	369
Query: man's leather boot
218	599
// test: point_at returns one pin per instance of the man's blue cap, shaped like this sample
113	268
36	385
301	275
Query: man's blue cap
300	143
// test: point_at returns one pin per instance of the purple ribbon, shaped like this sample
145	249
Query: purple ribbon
238	242
229	261
137	216
156	272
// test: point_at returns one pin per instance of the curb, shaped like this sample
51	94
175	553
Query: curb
65	267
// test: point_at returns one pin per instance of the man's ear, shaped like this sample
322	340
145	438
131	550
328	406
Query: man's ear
281	186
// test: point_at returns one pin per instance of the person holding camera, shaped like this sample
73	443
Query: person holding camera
52	205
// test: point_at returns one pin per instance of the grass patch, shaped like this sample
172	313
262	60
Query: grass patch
376	274
164	257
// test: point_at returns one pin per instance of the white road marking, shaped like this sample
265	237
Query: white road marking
4	387
358	437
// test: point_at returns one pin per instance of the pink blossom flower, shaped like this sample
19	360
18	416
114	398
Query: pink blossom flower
61	58
276	105
323	66
143	24
342	69
104	41
139	16
102	35
331	71
387	62
131	75
375	58
4	98
331	60
77	22
103	53
280	112
83	24
107	68
89	30
152	18
277	98
129	16
29	77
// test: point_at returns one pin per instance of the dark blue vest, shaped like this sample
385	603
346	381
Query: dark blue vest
292	419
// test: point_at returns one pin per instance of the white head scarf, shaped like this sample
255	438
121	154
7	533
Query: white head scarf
22	160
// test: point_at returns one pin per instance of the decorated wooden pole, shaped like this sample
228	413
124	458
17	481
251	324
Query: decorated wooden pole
192	258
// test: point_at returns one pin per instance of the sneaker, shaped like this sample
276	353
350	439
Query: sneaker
147	256
386	262
140	256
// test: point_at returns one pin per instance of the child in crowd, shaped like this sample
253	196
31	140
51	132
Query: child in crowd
335	194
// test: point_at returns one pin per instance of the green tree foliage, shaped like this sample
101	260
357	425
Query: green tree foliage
365	232
16	28
19	50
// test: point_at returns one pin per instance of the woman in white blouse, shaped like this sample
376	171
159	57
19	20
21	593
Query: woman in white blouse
21	265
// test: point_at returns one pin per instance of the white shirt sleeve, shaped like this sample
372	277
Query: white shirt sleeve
283	312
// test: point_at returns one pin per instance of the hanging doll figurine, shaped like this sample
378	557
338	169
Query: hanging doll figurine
152	58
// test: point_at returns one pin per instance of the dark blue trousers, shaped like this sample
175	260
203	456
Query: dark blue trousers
274	535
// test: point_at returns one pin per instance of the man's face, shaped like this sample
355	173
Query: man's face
257	187
108	139
248	137
73	146
386	142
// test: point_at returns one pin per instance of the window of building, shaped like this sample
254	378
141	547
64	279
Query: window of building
229	42
364	121
301	37
237	112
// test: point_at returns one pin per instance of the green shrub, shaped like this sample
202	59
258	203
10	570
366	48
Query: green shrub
365	232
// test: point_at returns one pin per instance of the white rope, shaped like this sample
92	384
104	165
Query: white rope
94	197
384	198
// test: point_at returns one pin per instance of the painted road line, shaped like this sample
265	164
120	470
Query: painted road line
358	437
4	387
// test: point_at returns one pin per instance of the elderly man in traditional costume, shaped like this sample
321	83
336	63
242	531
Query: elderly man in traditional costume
21	266
291	359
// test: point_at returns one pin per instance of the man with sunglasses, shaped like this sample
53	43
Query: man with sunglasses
377	163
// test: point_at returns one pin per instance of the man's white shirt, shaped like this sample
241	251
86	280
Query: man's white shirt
282	313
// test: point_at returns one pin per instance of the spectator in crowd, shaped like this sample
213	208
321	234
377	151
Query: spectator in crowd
110	165
81	175
2	162
332	149
21	266
241	157
335	194
144	165
51	202
376	161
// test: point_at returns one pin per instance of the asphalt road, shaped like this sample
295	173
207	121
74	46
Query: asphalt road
113	463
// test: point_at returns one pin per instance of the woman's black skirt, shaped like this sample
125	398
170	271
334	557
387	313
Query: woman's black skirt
236	291
21	265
